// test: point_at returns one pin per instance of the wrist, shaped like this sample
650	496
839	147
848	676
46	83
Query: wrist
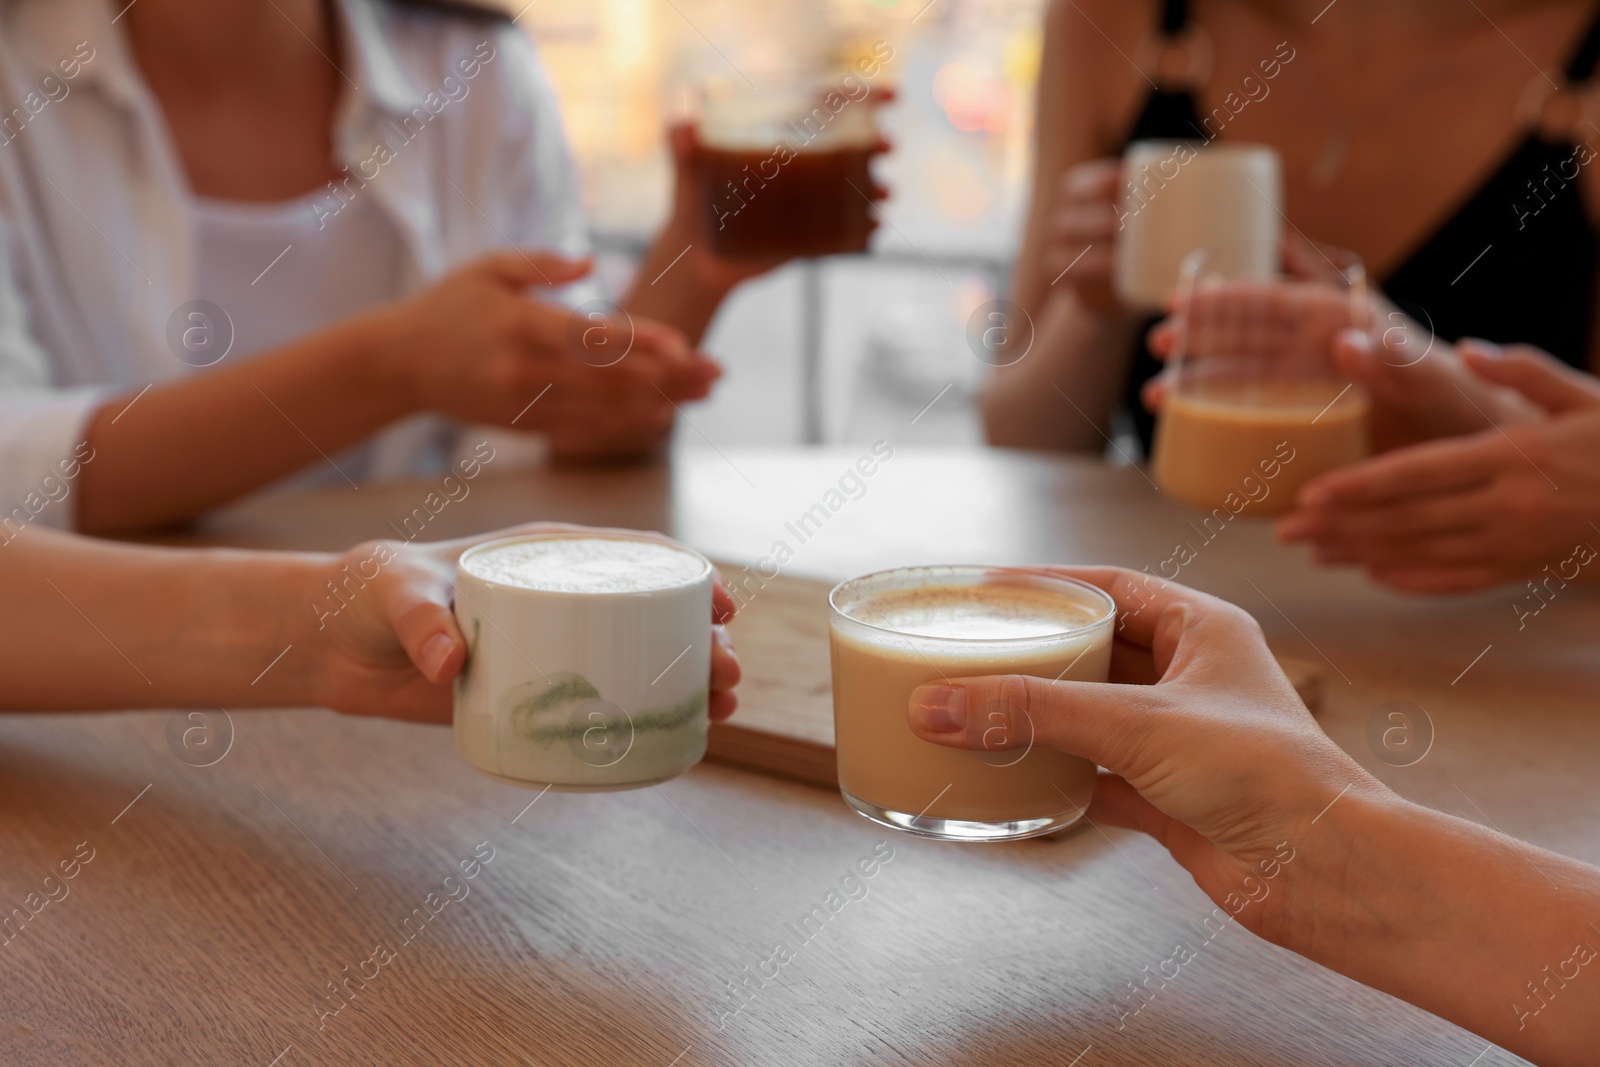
275	614
1324	916
683	251
380	345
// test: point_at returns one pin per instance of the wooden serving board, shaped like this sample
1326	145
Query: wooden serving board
784	726
785	721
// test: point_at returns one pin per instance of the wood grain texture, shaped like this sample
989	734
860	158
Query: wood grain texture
607	927
785	720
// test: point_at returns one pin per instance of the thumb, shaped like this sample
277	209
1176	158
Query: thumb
1355	355
1392	367
682	138
534	267
1541	378
1100	721
417	607
657	338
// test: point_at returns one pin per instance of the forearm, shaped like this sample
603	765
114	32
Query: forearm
671	287
192	444
1492	934
1062	393
93	624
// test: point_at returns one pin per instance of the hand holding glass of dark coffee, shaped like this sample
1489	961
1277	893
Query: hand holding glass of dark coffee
784	169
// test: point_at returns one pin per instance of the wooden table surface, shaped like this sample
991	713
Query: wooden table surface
223	904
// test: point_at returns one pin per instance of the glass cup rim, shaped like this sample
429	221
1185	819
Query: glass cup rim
706	566
979	570
1201	371
1236	149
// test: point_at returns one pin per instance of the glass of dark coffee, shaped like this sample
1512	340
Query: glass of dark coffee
785	170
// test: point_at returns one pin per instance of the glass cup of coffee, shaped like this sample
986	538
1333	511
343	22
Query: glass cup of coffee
1254	407
588	660
896	630
1181	195
785	170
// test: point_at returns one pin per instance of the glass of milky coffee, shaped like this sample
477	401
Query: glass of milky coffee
588	660
896	630
1254	407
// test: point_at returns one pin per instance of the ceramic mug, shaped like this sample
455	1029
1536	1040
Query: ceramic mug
1178	196
589	660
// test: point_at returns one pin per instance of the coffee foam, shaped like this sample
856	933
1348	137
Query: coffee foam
586	565
802	124
994	612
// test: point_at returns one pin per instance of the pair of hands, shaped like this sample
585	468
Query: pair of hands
477	347
393	651
1500	504
1206	747
1210	750
1488	471
1419	388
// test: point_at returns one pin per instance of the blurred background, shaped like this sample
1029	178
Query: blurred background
843	349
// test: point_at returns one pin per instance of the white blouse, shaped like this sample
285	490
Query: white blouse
451	132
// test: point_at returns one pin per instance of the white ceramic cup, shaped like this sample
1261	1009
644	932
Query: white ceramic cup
1177	197
588	663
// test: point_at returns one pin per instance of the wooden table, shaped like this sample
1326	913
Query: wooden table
222	901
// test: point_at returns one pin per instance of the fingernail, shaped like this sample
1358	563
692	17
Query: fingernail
1359	341
1487	349
1291	530
939	709
435	651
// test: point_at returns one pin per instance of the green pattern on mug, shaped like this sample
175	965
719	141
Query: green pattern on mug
554	710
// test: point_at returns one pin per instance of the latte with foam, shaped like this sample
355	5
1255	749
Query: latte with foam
895	631
586	565
589	659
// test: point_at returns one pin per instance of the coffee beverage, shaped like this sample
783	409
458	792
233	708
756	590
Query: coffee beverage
589	659
786	172
897	630
1249	444
1177	197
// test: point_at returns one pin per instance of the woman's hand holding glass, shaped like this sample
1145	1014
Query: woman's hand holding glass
1418	387
688	232
1208	750
1207	746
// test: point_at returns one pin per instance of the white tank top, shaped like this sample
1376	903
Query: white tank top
281	271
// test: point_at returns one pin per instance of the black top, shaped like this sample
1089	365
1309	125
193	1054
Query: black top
1516	261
